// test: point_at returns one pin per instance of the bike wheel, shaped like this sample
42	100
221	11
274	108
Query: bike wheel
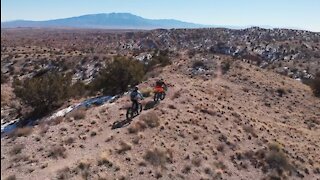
155	97
129	113
139	108
162	95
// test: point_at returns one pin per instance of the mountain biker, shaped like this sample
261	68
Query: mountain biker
160	86
135	96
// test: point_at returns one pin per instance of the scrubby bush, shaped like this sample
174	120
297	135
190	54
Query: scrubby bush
4	78
146	92
45	93
118	74
315	85
198	64
156	157
225	66
151	119
159	58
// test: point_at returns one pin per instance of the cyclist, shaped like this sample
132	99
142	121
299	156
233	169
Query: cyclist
135	96
160	86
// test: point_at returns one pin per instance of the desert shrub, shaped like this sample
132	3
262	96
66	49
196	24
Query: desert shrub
63	173
280	92
104	160
79	89
69	141
118	74
277	160
16	149
159	58
225	66
78	114
25	131
146	92
156	157
191	53
315	85
45	93
198	64
136	127
12	177
124	146
4	78
151	119
57	151
196	161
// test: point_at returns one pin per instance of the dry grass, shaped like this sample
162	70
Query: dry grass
123	147
156	157
56	121
196	161
137	127
83	167
69	141
16	149
57	151
63	174
250	129
146	92
186	169
43	128
19	158
151	119
78	114
12	177
25	131
276	158
104	160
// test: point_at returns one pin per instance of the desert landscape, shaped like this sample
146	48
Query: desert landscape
241	104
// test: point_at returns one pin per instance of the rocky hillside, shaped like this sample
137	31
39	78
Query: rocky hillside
222	118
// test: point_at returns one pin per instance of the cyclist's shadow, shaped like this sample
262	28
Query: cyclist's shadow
126	122
121	123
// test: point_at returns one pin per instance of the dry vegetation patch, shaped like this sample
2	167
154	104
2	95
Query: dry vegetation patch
157	157
25	131
151	119
77	114
57	151
16	149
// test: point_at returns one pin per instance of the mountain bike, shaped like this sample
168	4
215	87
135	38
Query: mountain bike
159	95
134	111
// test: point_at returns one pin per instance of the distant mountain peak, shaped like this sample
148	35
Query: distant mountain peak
105	20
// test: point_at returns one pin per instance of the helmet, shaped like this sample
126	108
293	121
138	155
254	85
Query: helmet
136	88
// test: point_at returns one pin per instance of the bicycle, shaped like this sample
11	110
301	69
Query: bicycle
134	111
159	95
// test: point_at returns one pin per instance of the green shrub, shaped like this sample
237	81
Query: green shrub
118	74
45	93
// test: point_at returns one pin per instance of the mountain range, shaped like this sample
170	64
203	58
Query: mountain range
104	21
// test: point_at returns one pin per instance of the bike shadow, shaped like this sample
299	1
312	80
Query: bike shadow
150	104
121	123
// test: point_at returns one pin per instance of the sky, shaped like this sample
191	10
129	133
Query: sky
300	14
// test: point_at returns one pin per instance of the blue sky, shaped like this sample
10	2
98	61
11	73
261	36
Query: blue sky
303	14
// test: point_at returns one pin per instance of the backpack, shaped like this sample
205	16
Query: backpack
133	95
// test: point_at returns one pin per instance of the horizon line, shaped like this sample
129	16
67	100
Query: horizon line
205	25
